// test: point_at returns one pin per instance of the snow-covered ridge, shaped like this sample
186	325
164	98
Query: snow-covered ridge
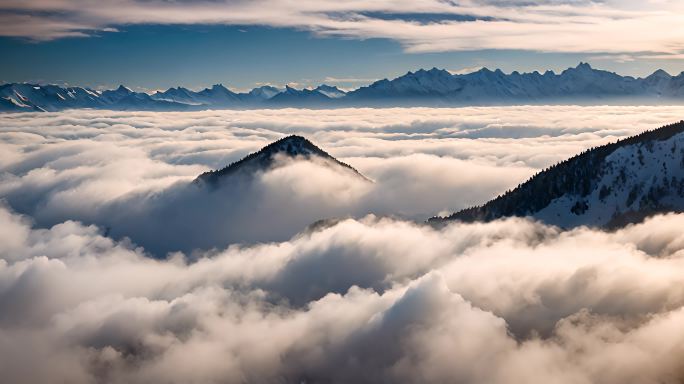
582	84
607	186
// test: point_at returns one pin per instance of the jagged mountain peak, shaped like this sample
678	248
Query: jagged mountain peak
265	91
123	89
330	90
293	147
218	87
327	87
582	69
434	71
301	97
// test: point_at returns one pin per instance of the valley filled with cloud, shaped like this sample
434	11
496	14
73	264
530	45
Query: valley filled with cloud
119	267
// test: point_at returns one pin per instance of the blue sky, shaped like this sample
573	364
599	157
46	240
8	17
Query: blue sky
101	47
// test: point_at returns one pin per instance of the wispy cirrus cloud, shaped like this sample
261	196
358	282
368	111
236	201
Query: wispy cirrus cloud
653	27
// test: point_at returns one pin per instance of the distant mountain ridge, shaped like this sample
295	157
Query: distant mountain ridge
607	186
434	87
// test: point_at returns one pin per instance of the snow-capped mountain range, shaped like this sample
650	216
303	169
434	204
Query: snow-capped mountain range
607	186
434	87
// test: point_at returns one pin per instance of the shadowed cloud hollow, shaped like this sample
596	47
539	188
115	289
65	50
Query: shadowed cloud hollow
363	300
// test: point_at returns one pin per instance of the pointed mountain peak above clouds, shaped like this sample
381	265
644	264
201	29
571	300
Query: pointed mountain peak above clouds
434	71
265	92
120	91
292	147
300	97
581	69
330	91
116	95
123	89
177	91
659	74
218	89
427	74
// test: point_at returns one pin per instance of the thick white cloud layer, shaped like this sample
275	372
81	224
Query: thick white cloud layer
129	171
361	301
420	26
365	299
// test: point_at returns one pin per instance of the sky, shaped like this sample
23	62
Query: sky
154	44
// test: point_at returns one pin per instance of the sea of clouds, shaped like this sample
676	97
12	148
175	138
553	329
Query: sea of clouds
130	172
102	281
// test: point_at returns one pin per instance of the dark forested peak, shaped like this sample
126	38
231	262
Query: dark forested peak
293	146
607	185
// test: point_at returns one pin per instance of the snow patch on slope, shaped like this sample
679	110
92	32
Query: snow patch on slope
634	178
